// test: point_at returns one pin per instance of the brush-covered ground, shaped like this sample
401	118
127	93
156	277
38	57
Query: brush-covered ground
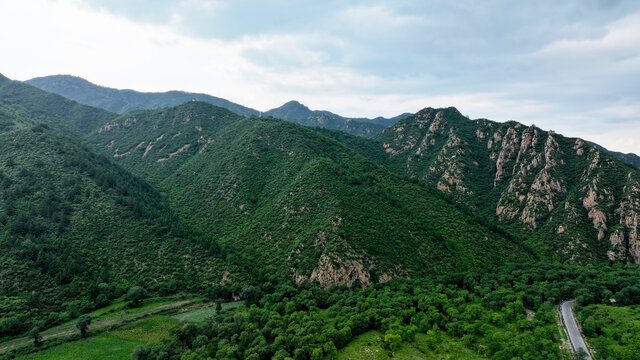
612	331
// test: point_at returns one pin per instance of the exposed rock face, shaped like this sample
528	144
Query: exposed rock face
509	144
332	271
335	268
538	179
628	211
118	124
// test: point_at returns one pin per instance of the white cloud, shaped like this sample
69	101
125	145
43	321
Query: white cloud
359	61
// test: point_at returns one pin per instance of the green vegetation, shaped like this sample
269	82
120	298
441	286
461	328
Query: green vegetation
200	315
77	231
545	189
427	241
286	197
631	159
28	103
117	344
370	346
612	331
504	314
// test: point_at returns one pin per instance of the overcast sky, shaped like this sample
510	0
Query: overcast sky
570	66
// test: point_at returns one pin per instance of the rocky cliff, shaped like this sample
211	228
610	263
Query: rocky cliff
582	202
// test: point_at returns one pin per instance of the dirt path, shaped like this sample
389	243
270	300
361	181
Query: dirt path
68	329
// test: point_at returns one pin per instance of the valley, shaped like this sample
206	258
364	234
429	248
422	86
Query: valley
434	236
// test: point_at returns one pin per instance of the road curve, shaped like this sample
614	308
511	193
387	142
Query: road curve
572	328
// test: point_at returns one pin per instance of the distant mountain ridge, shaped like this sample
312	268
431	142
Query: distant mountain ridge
296	112
629	158
123	101
60	113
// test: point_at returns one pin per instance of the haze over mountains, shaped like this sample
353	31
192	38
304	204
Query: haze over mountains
122	101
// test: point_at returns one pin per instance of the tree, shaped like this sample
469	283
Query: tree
392	341
580	354
83	325
251	295
590	326
34	333
135	294
317	354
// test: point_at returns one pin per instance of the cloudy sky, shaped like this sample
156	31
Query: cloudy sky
570	66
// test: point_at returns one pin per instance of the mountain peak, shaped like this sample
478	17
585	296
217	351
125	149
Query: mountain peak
290	110
450	110
294	104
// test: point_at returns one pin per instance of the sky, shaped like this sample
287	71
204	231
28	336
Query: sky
570	66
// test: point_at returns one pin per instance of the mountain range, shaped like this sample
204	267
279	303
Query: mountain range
122	101
197	195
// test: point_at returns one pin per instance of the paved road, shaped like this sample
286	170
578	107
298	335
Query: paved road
572	329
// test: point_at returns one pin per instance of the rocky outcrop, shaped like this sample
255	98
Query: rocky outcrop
509	145
527	176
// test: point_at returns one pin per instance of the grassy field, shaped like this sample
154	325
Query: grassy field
111	315
112	345
612	331
369	346
151	322
201	314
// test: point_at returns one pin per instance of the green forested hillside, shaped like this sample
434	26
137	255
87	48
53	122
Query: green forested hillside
286	198
76	231
60	113
569	199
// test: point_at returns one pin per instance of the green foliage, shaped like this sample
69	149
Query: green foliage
458	311
392	341
234	207
34	333
83	325
285	195
135	294
20	102
116	344
77	231
612	331
537	199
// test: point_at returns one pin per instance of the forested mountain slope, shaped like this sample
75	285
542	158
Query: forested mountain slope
74	226
122	101
19	100
283	198
585	203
